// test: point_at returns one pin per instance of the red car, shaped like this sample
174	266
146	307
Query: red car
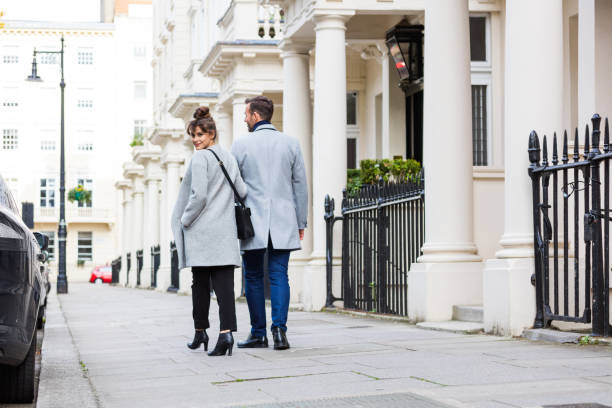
102	274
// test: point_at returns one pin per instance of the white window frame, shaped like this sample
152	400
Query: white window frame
87	183
140	47
140	124
137	84
354	131
10	139
481	74
85	56
47	189
79	246
10	98
85	141
51	248
10	55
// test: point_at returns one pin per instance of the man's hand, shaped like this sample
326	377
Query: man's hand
301	234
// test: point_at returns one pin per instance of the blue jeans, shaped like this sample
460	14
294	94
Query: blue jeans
253	267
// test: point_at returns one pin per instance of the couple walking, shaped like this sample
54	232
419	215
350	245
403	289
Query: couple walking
266	169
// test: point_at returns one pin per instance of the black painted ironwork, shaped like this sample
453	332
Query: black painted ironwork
116	268
330	220
582	295
128	258
174	268
382	235
155	260
139	264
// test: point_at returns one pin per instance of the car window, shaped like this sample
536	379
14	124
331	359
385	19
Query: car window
6	197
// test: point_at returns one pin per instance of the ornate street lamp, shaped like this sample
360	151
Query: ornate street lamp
405	43
62	281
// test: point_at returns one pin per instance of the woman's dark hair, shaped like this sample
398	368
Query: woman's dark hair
202	120
261	105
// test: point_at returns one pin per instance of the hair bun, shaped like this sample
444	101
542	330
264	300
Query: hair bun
202	112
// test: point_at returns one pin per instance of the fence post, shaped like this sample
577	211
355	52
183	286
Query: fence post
381	258
330	220
598	323
534	159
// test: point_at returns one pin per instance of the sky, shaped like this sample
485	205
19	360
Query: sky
51	10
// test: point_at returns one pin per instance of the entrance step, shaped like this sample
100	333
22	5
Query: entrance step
468	313
453	326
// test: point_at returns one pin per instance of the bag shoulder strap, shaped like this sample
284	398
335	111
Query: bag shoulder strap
236	195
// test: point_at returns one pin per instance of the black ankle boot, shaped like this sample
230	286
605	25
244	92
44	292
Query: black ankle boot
224	343
199	338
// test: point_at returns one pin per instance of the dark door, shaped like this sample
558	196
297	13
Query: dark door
414	125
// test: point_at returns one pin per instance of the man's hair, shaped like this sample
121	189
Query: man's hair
262	105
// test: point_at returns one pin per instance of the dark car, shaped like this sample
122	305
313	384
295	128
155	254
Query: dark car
23	294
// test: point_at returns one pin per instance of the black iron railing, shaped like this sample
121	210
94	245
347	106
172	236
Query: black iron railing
139	264
174	268
155	254
128	258
382	235
577	288
116	268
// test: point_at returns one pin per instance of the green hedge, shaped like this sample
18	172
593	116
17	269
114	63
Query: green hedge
370	171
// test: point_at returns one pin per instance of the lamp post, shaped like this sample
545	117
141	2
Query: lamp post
62	281
405	43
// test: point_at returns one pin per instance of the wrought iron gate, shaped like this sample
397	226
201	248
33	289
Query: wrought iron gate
128	257
155	254
139	264
174	268
577	288
116	267
382	235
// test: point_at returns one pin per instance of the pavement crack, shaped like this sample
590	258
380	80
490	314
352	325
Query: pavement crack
366	375
240	380
428	381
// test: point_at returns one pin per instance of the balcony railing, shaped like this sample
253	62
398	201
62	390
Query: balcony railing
75	215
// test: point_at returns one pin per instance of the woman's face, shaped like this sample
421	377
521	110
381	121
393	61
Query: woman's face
202	140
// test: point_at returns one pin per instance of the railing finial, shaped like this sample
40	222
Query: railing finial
534	149
596	120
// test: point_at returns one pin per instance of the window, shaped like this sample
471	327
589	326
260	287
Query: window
139	127
85	141
10	98
47	139
51	248
85	103
352	130
10	140
140	51
140	89
87	184
47	59
10	54
481	89
47	144
13	185
47	193
84	248
85	56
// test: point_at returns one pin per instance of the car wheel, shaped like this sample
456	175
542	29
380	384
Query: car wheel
99	280
17	385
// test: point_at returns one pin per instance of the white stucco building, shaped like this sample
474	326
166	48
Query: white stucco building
493	71
100	121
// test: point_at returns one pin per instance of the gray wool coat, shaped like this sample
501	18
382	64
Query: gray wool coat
203	219
272	166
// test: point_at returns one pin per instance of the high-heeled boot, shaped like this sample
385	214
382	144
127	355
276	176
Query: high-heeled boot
224	343
199	338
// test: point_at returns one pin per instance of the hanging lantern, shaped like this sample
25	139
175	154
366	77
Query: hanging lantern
405	43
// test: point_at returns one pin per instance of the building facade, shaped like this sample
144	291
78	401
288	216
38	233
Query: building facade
493	71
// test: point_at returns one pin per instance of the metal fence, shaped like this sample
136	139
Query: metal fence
128	258
116	268
382	235
174	268
139	264
155	254
577	288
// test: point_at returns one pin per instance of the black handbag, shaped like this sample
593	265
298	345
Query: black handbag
244	225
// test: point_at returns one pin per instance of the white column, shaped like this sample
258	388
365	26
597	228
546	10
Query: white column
447	273
534	38
239	127
151	223
297	122
163	273
138	226
129	238
386	133
223	119
586	62
329	144
125	195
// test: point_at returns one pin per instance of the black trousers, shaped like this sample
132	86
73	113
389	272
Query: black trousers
222	278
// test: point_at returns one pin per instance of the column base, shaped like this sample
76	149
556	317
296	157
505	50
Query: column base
314	284
185	280
145	274
132	278
509	296
449	253
434	288
237	282
297	269
122	276
163	278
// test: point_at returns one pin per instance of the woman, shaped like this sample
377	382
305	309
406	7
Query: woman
204	227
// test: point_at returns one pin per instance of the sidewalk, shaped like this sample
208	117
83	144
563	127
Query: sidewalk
125	347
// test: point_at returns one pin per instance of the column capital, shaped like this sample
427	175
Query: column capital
169	159
331	21
132	170
144	154
123	185
291	48
239	98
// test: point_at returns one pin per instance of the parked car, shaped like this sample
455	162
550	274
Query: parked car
23	296
101	273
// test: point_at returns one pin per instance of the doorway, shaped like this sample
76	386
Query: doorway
414	124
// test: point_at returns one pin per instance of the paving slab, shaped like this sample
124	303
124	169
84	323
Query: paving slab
135	355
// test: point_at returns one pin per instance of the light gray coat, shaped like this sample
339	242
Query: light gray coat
272	167
204	220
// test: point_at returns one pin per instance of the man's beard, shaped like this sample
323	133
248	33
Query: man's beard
250	127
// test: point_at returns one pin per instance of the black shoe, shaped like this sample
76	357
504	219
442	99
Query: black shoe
280	339
199	338
254	342
225	342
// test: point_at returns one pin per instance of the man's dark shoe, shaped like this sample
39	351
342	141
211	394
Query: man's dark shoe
254	342
280	339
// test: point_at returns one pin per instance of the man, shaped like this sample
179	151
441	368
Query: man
272	166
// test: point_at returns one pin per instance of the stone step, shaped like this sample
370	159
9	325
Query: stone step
468	313
453	326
